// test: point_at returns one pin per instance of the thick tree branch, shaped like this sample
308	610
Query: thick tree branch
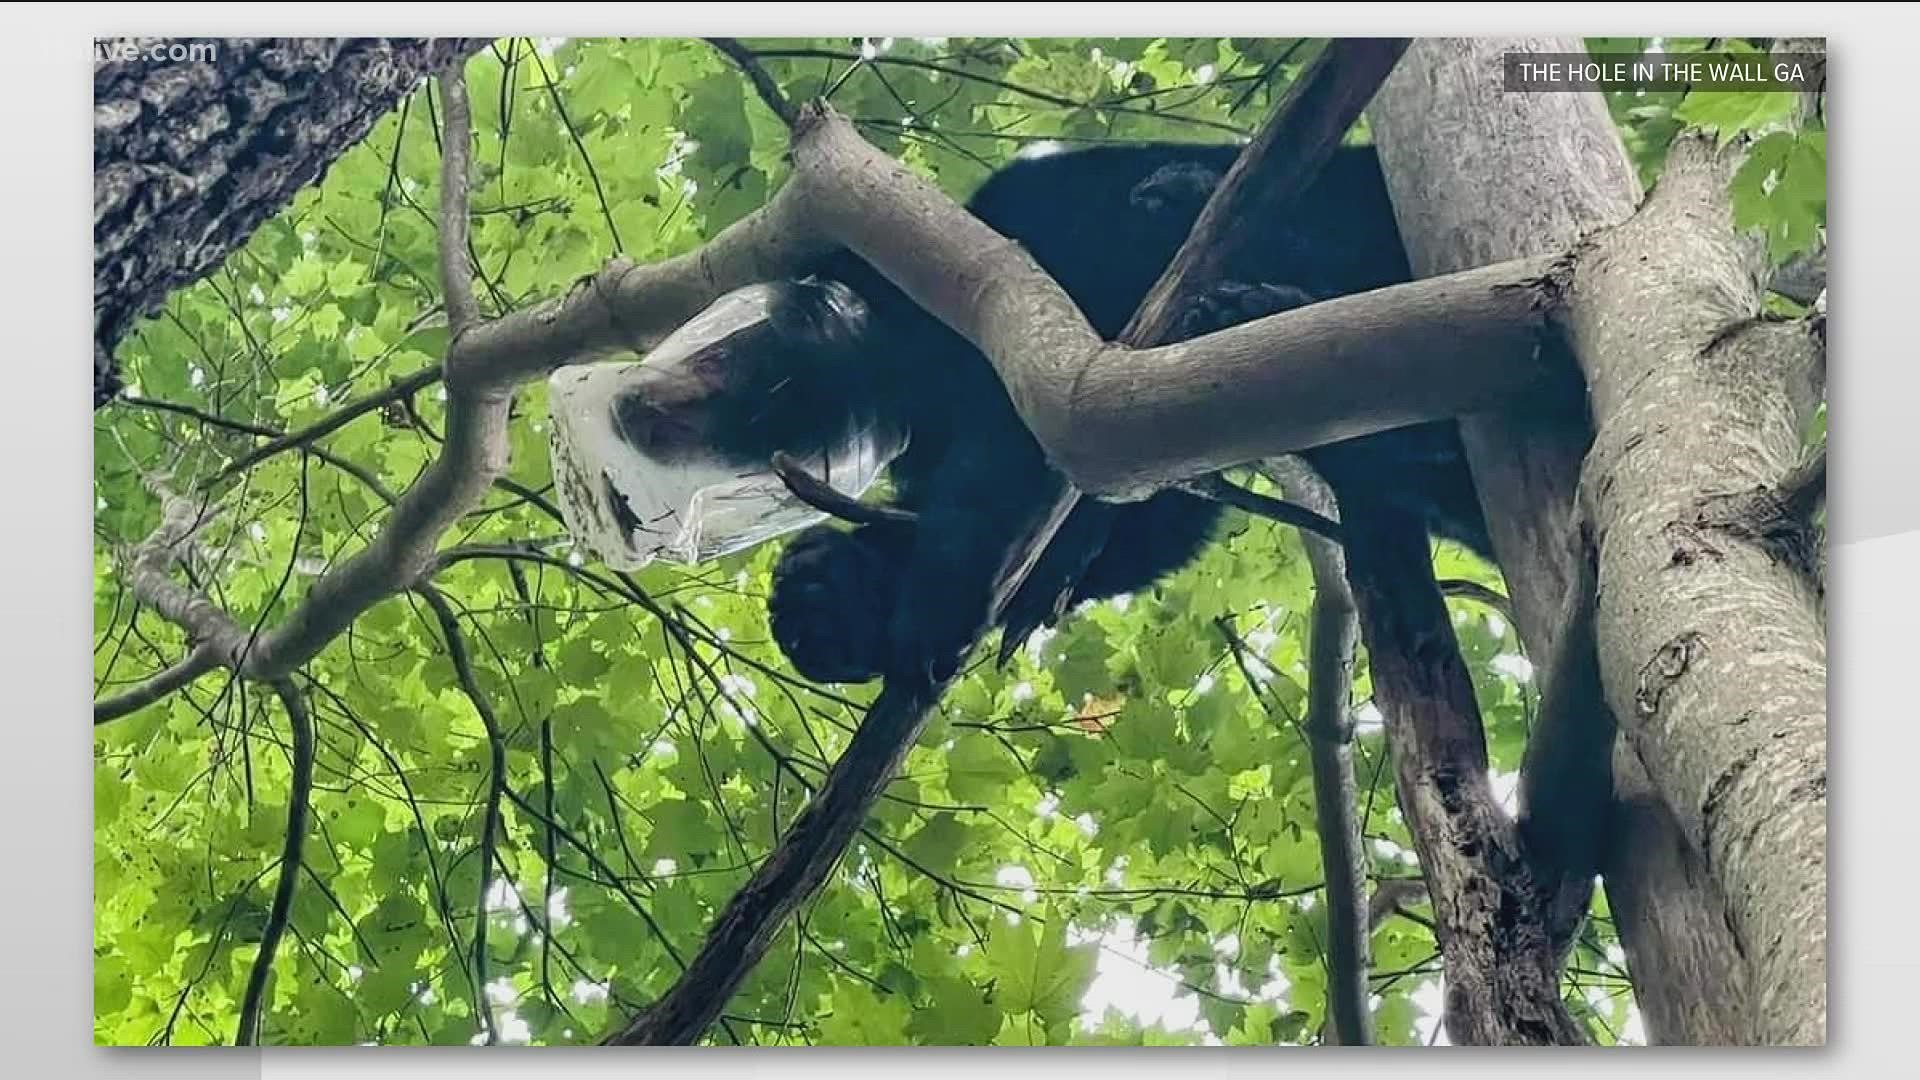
1491	911
1545	171
1712	646
807	853
1477	177
1566	776
456	193
149	576
1689	979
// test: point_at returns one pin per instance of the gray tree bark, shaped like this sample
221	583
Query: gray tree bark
191	155
1712	642
1479	176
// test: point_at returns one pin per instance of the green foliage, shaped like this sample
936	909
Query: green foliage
1140	797
1780	190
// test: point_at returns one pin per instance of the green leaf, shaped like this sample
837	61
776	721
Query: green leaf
1731	112
112	985
681	829
385	990
864	1018
305	277
320	1016
395	927
959	1014
979	769
110	793
938	843
1036	971
581	664
357	821
1078	657
1781	190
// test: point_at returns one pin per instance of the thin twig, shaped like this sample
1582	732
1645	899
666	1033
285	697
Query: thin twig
757	74
196	663
818	494
1473	590
398	390
299	792
496	787
586	159
1329	725
366	477
1042	96
1221	490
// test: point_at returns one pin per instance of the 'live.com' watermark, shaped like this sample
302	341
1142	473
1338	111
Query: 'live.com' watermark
154	51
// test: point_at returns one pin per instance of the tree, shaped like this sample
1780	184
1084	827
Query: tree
1558	175
532	785
192	152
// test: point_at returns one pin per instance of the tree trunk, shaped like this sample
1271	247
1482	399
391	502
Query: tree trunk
1480	175
1687	978
1711	639
191	155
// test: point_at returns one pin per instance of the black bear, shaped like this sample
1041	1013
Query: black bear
841	344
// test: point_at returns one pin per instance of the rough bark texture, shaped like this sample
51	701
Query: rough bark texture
1711	643
191	155
1502	973
1480	176
1688	980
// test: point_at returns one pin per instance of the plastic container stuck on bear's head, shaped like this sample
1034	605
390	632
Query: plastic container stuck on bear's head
628	502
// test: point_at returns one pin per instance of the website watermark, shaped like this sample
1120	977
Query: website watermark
154	51
1724	72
